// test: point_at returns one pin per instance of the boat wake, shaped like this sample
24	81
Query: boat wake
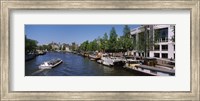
38	71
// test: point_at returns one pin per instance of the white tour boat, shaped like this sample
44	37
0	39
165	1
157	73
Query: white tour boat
50	64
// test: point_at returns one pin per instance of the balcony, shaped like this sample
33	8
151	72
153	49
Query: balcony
162	40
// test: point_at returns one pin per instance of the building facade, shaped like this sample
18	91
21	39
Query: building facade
159	40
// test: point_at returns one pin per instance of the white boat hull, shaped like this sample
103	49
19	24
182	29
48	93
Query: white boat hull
49	66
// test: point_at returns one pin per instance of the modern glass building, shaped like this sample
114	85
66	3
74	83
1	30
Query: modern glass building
155	41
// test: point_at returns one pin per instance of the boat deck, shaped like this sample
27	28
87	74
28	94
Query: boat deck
134	69
171	71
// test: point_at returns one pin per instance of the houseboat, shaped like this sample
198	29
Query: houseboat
106	60
149	66
94	57
130	63
157	71
118	61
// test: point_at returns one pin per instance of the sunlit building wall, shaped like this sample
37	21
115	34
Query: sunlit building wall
163	46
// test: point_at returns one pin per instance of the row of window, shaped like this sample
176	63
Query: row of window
163	55
163	47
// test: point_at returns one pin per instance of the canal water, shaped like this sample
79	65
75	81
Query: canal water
73	65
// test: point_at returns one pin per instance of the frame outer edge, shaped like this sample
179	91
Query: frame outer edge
198	31
0	47
4	52
196	50
196	45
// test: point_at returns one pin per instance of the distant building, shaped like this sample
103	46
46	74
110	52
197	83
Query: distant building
66	47
161	47
54	46
74	46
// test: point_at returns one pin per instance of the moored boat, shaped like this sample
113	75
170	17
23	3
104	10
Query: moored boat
135	66
130	63
118	61
94	57
150	67
100	61
111	61
106	60
50	64
157	71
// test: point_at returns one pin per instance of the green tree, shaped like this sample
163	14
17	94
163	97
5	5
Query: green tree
127	40
45	47
120	43
126	31
95	45
30	45
99	45
89	46
156	35
40	47
49	47
113	40
129	43
84	46
104	42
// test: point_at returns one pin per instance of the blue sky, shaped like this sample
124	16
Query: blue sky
45	34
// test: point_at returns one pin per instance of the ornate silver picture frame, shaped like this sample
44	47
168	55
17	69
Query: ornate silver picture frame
7	6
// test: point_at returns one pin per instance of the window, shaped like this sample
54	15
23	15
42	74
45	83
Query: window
164	47
157	47
157	55
163	33
164	55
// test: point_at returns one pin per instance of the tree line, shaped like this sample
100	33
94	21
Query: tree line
111	43
30	45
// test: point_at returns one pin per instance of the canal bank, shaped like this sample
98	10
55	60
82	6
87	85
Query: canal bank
73	65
